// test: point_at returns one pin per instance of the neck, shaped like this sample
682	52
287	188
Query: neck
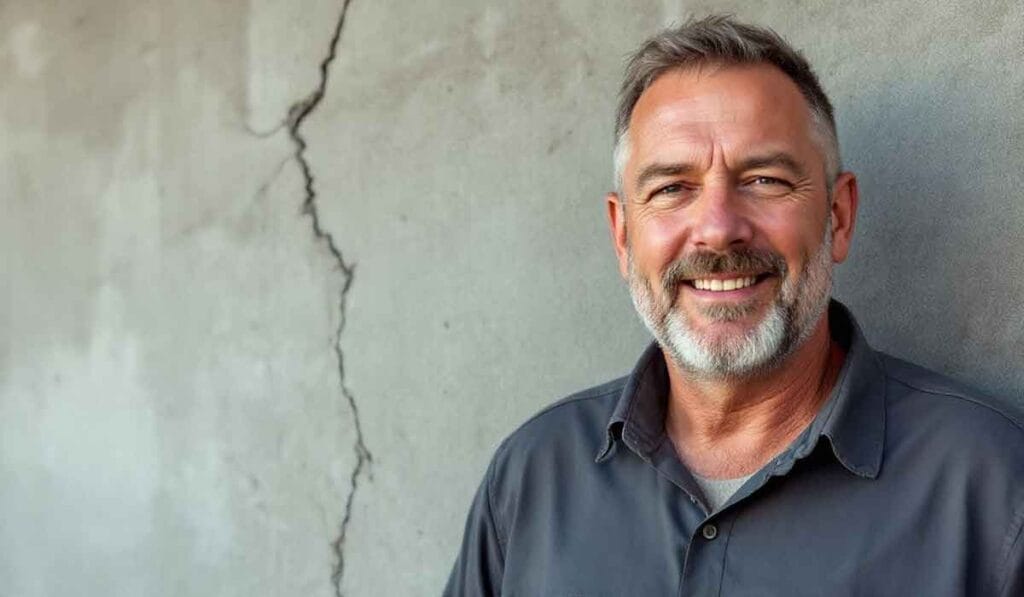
728	428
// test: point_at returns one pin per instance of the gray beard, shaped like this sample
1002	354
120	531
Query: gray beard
790	320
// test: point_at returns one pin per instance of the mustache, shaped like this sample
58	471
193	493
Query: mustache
702	263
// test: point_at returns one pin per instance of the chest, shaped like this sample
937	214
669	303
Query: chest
814	532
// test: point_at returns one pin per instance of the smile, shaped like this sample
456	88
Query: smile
718	285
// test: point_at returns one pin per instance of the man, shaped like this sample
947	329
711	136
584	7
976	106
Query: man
760	446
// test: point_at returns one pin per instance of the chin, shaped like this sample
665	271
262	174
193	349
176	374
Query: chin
744	353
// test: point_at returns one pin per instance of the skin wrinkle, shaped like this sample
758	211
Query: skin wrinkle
768	163
747	374
819	130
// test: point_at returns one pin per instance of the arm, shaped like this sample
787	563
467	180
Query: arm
1012	583
480	565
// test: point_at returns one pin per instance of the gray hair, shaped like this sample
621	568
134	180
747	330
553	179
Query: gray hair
721	40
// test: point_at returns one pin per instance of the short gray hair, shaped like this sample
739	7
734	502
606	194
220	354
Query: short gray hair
722	40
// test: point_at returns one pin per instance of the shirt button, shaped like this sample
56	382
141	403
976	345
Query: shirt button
709	531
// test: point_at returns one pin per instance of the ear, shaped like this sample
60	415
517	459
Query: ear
844	215
617	226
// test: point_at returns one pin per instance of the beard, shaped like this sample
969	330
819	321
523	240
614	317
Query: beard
788	322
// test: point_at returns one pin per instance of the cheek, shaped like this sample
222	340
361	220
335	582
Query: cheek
795	234
657	240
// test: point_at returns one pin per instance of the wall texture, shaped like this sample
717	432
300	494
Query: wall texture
275	284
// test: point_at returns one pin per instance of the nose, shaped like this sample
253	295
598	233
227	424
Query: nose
717	220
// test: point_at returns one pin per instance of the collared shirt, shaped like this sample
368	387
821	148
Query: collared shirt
905	483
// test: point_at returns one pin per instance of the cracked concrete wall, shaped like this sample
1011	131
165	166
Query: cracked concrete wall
174	415
170	419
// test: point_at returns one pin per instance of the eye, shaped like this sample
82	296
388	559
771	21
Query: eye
670	194
768	180
671	189
768	186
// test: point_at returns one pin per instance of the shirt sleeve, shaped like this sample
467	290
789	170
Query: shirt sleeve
480	564
1013	567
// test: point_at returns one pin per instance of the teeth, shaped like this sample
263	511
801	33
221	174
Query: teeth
724	285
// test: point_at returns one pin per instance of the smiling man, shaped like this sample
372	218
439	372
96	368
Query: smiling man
760	446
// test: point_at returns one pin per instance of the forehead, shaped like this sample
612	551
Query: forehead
737	109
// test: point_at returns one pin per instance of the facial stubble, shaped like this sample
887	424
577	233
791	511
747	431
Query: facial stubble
788	322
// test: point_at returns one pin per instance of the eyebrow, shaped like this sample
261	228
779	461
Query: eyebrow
776	159
653	171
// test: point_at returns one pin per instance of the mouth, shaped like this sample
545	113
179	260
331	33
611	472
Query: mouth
727	282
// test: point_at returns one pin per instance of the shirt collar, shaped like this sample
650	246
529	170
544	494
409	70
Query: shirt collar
852	419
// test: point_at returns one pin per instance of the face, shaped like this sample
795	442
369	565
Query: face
725	229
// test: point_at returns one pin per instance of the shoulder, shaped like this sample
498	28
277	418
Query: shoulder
948	410
552	452
576	423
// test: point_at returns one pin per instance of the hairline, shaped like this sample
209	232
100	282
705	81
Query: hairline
822	130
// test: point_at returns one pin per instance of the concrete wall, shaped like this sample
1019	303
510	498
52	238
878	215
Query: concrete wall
188	331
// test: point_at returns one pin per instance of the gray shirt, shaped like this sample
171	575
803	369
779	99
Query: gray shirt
905	483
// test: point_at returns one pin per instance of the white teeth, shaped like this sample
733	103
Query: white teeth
715	285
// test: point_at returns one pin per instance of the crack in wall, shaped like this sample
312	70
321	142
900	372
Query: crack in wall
297	115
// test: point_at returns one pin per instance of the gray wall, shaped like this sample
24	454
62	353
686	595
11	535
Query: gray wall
184	343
